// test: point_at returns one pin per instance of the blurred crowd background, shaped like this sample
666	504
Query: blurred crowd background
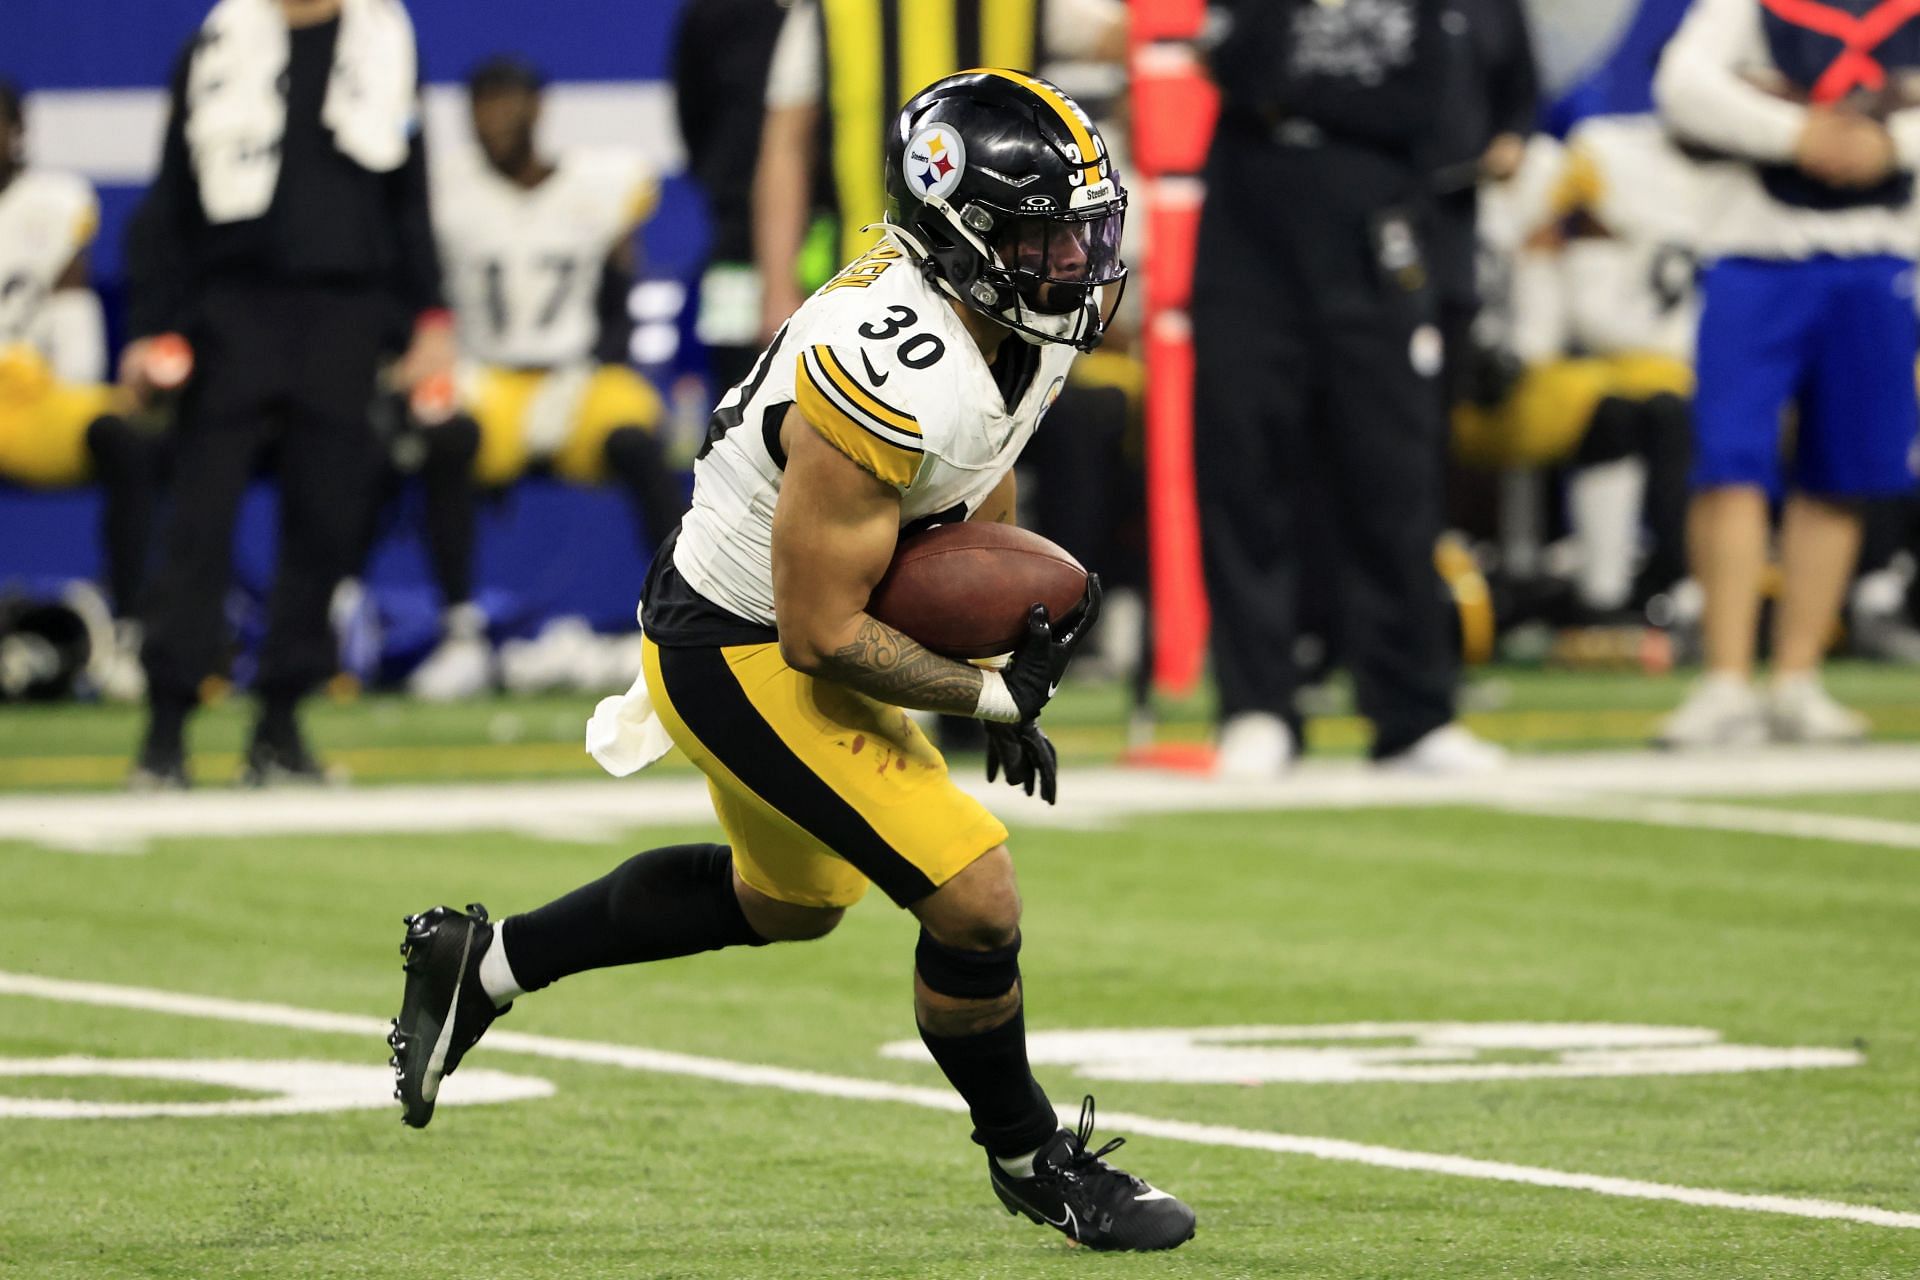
710	174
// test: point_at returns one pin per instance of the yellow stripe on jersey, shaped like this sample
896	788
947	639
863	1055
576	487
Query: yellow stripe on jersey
641	202
1090	155
1006	33
1579	186
86	226
927	45
876	447
843	380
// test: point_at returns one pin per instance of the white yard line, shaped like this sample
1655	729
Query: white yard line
633	1058
1725	817
596	811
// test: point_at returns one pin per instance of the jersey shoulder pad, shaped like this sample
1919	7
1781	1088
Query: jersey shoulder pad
1644	185
619	182
867	406
459	180
68	199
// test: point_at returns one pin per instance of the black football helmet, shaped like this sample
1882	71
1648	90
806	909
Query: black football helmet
1004	193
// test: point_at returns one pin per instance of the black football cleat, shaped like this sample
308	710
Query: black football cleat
1089	1201
158	771
286	761
444	1011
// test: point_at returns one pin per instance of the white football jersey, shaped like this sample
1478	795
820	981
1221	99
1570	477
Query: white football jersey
1522	302
522	266
885	371
45	219
1632	289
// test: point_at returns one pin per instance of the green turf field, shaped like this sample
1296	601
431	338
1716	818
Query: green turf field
389	739
1304	917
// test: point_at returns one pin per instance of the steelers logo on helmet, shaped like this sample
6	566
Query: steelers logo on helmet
936	161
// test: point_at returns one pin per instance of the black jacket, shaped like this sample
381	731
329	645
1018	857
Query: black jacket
1365	73
722	52
331	222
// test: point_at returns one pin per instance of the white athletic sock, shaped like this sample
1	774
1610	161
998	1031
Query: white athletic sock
1017	1166
1603	505
496	975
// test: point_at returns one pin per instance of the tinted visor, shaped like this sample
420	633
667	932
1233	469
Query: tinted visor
1058	261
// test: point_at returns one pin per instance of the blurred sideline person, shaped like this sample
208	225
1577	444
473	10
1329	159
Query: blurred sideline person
1812	228
1317	355
722	50
60	424
898	396
1883	607
1490	99
287	237
1581	353
841	69
538	258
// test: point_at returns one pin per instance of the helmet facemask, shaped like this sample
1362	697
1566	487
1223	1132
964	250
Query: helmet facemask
1055	277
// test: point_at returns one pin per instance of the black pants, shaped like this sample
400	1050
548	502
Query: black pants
129	465
291	367
1317	356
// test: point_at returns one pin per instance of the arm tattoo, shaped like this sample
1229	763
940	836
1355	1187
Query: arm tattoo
886	665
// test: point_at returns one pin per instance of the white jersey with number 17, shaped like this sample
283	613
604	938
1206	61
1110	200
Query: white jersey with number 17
522	264
883	369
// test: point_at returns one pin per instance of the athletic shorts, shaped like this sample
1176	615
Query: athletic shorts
820	789
1835	337
43	423
613	396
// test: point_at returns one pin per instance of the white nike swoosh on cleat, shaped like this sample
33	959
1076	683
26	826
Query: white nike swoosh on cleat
1153	1193
1068	1224
437	1061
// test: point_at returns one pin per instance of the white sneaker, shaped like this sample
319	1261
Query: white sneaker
461	667
1449	751
1254	747
1720	711
1799	709
119	674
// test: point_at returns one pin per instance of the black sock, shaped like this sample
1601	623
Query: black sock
278	724
638	461
656	905
166	726
1011	1114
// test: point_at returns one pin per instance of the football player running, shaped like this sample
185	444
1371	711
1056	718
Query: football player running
898	396
538	255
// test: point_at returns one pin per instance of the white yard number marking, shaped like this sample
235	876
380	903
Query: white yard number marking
286	1087
1402	1052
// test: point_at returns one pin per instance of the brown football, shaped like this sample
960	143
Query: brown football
965	589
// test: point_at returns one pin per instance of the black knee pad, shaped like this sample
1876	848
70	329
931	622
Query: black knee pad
631	449
118	447
1612	435
1666	425
453	444
967	975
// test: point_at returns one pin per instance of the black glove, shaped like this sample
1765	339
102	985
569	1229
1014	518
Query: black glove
1024	753
1034	674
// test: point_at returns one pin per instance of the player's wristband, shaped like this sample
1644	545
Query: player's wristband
996	702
